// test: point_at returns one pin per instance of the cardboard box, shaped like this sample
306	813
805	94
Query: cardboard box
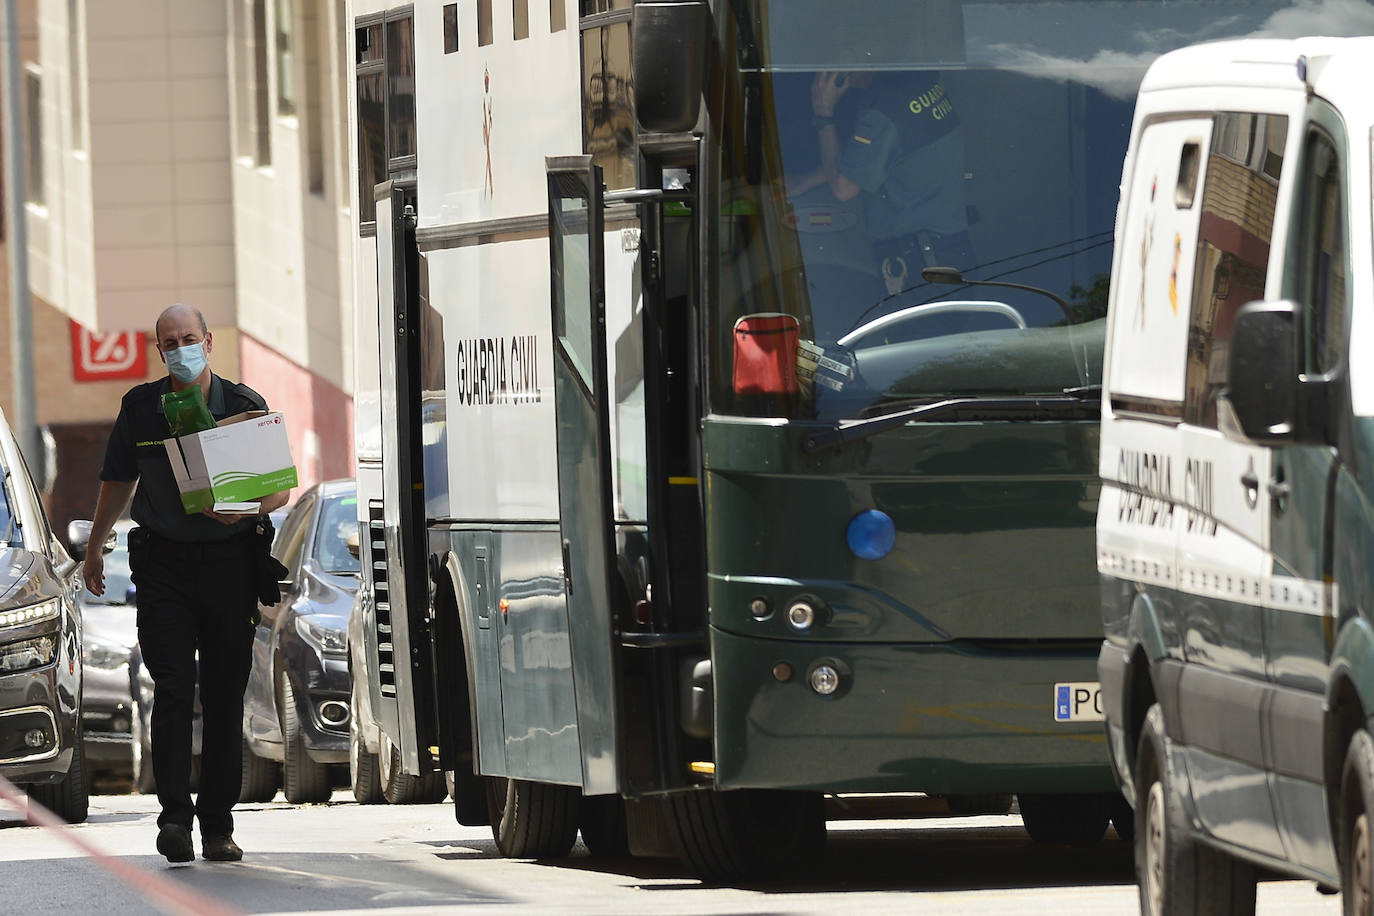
245	457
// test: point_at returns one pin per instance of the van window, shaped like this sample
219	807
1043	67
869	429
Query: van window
1317	274
1237	224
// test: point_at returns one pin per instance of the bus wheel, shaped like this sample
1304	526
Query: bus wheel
532	820
1356	804
749	834
1178	875
1079	820
602	822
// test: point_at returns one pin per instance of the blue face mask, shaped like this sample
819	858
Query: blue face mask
186	363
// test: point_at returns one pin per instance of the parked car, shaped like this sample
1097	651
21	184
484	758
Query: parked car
41	669
295	717
109	631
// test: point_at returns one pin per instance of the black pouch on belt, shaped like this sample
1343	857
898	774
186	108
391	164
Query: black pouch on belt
267	569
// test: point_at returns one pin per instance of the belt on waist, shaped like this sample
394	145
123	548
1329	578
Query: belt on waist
238	545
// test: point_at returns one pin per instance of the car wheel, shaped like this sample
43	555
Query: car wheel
69	798
362	765
1356	805
749	834
401	788
261	777
532	820
1178	875
305	780
1079	820
142	749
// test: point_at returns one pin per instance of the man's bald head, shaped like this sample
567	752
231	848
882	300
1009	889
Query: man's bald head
180	312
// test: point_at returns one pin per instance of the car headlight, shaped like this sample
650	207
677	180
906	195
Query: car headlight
47	610
100	654
29	653
325	638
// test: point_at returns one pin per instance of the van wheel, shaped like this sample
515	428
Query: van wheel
532	820
362	766
303	779
70	798
261	777
1078	820
1357	801
1178	875
749	834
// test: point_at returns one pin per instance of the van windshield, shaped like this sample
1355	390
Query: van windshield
866	143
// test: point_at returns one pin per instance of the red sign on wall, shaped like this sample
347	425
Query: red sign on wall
98	356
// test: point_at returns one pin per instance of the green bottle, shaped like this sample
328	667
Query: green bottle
186	411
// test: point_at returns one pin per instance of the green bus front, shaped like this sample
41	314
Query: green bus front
901	573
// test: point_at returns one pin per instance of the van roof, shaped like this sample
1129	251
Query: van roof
1258	63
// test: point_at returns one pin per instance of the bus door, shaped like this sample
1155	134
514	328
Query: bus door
582	405
396	529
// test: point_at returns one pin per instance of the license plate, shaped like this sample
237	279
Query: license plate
1078	701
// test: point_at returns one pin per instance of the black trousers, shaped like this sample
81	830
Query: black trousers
196	598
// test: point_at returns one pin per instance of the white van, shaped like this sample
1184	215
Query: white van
1235	533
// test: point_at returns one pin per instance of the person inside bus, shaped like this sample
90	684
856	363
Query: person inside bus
895	142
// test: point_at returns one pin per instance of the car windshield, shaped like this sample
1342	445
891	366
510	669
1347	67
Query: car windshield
868	142
338	520
8	520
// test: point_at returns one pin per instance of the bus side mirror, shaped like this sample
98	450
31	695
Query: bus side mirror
1262	371
671	39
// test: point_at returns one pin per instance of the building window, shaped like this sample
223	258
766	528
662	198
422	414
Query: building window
520	16
33	102
558	15
483	23
76	71
286	57
261	124
385	67
450	28
314	58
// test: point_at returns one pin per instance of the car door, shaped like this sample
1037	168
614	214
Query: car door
1299	614
1224	533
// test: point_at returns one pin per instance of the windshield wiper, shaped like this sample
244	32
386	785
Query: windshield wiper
1085	401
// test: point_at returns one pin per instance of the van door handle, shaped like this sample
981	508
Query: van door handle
1278	493
1250	480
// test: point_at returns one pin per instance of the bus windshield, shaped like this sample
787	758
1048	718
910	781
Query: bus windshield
865	143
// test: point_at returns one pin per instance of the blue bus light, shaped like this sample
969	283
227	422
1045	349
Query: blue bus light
871	534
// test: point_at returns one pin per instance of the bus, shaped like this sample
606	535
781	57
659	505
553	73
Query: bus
727	398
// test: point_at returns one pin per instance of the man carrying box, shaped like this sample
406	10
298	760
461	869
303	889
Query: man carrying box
195	575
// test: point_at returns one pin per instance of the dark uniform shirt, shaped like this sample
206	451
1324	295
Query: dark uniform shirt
135	452
907	152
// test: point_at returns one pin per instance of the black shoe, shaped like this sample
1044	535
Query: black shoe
220	849
174	842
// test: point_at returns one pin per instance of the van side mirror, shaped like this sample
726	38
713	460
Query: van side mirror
1262	371
671	39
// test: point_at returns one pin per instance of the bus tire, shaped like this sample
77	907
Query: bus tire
1179	876
749	834
1077	820
532	820
1356	849
602	823
261	777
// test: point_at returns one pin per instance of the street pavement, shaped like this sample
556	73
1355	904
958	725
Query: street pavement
344	858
